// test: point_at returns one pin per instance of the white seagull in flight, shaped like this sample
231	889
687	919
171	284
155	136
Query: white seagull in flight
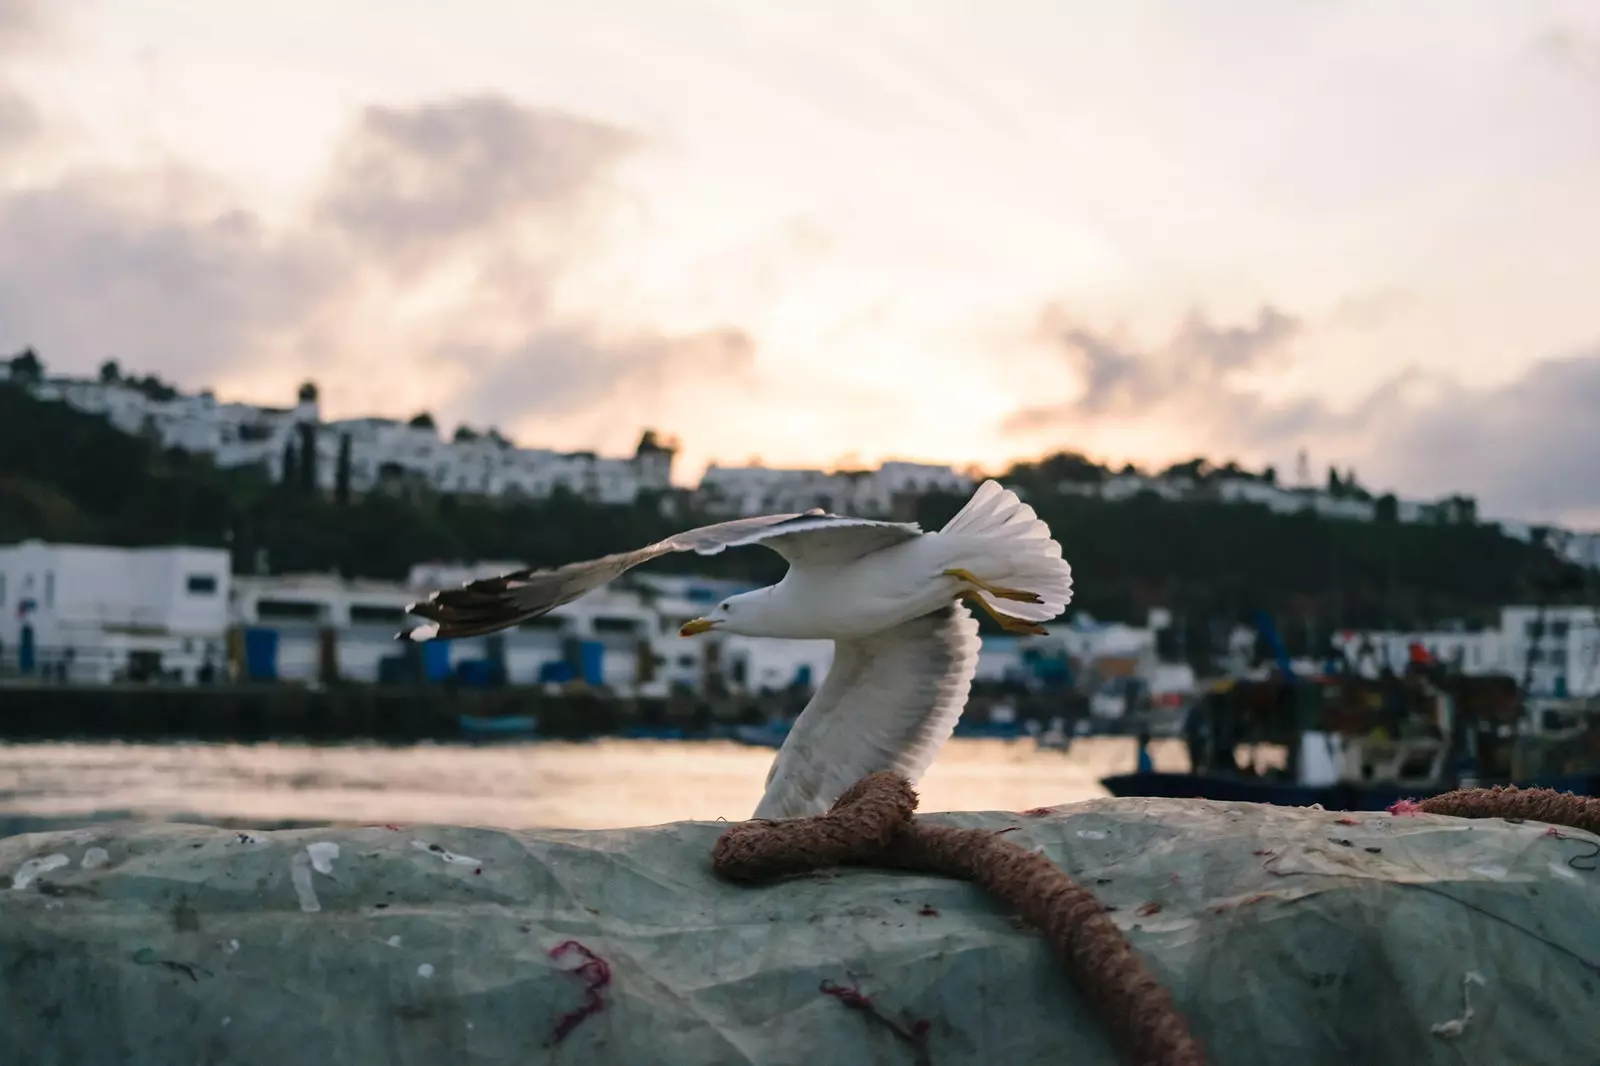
886	593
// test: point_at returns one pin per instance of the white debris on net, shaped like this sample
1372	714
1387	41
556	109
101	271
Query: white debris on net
322	853
1453	1028
318	856
393	941
1092	834
300	874
447	856
425	970
29	871
95	857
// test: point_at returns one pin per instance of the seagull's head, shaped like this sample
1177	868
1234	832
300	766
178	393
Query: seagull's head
745	614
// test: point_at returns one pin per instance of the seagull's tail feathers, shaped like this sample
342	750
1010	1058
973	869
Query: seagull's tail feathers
1010	546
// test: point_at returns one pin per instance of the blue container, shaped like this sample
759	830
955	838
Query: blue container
261	654
802	675
591	660
556	672
25	650
436	659
477	673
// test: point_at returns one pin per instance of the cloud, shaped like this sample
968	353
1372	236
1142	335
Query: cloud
1570	48
19	121
1119	380
421	272
410	183
108	265
22	25
1527	448
560	371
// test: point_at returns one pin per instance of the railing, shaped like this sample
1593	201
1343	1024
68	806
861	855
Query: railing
73	665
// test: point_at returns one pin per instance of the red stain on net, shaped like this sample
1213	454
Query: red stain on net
1039	812
915	1036
596	974
1347	821
1402	808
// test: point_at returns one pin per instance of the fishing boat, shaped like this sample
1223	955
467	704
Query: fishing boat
1354	743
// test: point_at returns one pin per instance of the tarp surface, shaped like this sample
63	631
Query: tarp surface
1287	936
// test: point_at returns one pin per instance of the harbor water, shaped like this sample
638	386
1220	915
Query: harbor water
589	785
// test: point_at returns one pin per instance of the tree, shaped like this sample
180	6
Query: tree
308	457
308	392
26	369
1270	475
287	472
1335	486
1386	509
1192	469
463	434
421	420
110	372
341	472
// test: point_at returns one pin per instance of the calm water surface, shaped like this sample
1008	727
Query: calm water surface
604	784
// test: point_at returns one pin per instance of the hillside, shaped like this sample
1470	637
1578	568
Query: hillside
69	476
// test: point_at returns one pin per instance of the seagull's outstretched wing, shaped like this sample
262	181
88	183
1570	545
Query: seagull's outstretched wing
889	702
495	603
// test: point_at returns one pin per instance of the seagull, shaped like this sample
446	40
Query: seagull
890	597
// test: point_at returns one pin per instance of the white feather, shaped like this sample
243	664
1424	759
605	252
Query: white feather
890	702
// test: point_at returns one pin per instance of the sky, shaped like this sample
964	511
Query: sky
840	232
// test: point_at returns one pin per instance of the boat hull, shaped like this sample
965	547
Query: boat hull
1241	789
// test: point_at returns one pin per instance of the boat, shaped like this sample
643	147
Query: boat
1361	744
498	727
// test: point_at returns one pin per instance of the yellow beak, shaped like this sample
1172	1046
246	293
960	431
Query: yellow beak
695	626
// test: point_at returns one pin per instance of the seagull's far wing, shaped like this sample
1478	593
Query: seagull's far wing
818	539
890	701
496	603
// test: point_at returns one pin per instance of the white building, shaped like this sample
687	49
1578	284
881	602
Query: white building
382	450
751	490
97	614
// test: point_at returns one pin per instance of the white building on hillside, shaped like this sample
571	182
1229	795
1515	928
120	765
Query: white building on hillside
97	614
751	490
383	451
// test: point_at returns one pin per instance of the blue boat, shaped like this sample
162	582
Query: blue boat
498	727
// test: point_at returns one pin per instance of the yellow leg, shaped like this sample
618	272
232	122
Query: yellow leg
1017	626
994	590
